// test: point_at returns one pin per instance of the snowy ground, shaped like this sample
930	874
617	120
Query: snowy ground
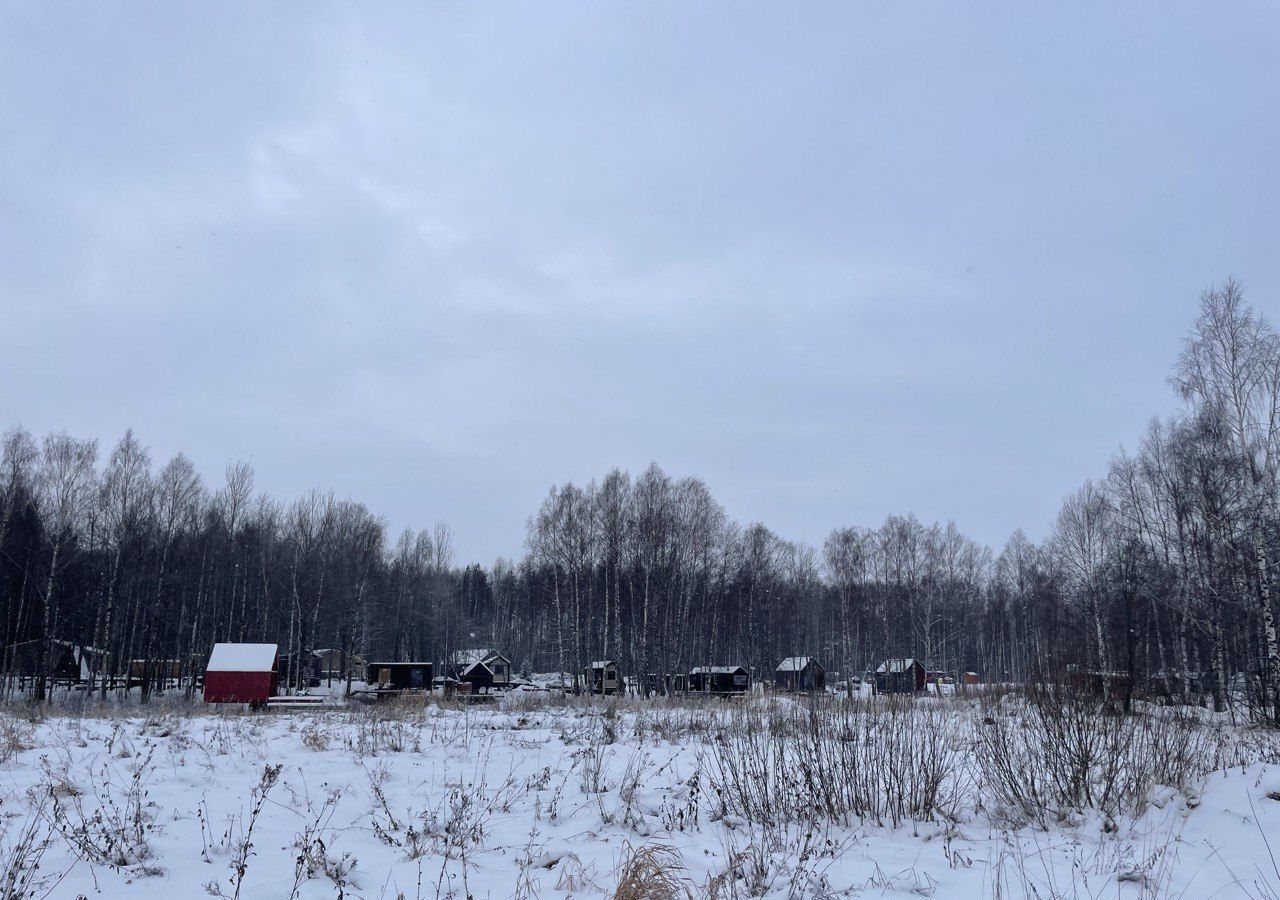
540	797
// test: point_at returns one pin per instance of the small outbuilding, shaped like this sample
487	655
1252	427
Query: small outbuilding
398	677
602	677
800	673
64	662
723	680
242	673
900	676
969	678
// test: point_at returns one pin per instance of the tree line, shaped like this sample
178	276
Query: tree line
1161	570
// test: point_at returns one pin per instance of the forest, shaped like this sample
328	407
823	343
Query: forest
1161	568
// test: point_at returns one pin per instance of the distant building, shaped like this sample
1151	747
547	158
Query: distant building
602	677
242	673
719	680
335	664
668	684
482	668
64	662
398	677
900	676
800	673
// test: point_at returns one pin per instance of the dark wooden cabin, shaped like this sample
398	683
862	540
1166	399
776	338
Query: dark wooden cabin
900	676
154	673
602	677
1111	685
722	680
335	665
482	668
398	677
667	685
300	669
800	673
64	662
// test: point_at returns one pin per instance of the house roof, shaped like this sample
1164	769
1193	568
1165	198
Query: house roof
467	669
891	666
475	655
602	664
242	658
797	663
716	670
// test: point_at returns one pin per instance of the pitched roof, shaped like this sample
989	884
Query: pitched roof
475	655
716	670
891	666
796	663
602	663
242	658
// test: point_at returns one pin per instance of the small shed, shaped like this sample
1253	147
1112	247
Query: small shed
398	677
242	673
335	665
900	676
159	673
667	684
800	673
969	678
1097	683
719	680
602	677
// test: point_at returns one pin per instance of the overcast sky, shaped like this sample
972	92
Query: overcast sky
839	260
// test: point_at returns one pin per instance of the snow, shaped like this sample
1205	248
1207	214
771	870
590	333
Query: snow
546	799
890	666
716	670
793	664
242	658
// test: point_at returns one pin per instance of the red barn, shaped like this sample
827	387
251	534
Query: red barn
242	673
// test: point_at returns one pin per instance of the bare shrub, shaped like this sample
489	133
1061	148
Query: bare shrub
109	824
859	760
242	843
20	856
16	736
1061	753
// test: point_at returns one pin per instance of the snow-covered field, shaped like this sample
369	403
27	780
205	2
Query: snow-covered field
539	797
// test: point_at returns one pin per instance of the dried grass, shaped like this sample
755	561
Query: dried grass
651	872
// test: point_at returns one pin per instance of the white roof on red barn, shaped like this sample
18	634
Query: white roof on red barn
242	658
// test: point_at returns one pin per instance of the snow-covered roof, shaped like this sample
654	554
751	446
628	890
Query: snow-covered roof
478	654
242	658
716	670
890	666
794	664
466	669
602	664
